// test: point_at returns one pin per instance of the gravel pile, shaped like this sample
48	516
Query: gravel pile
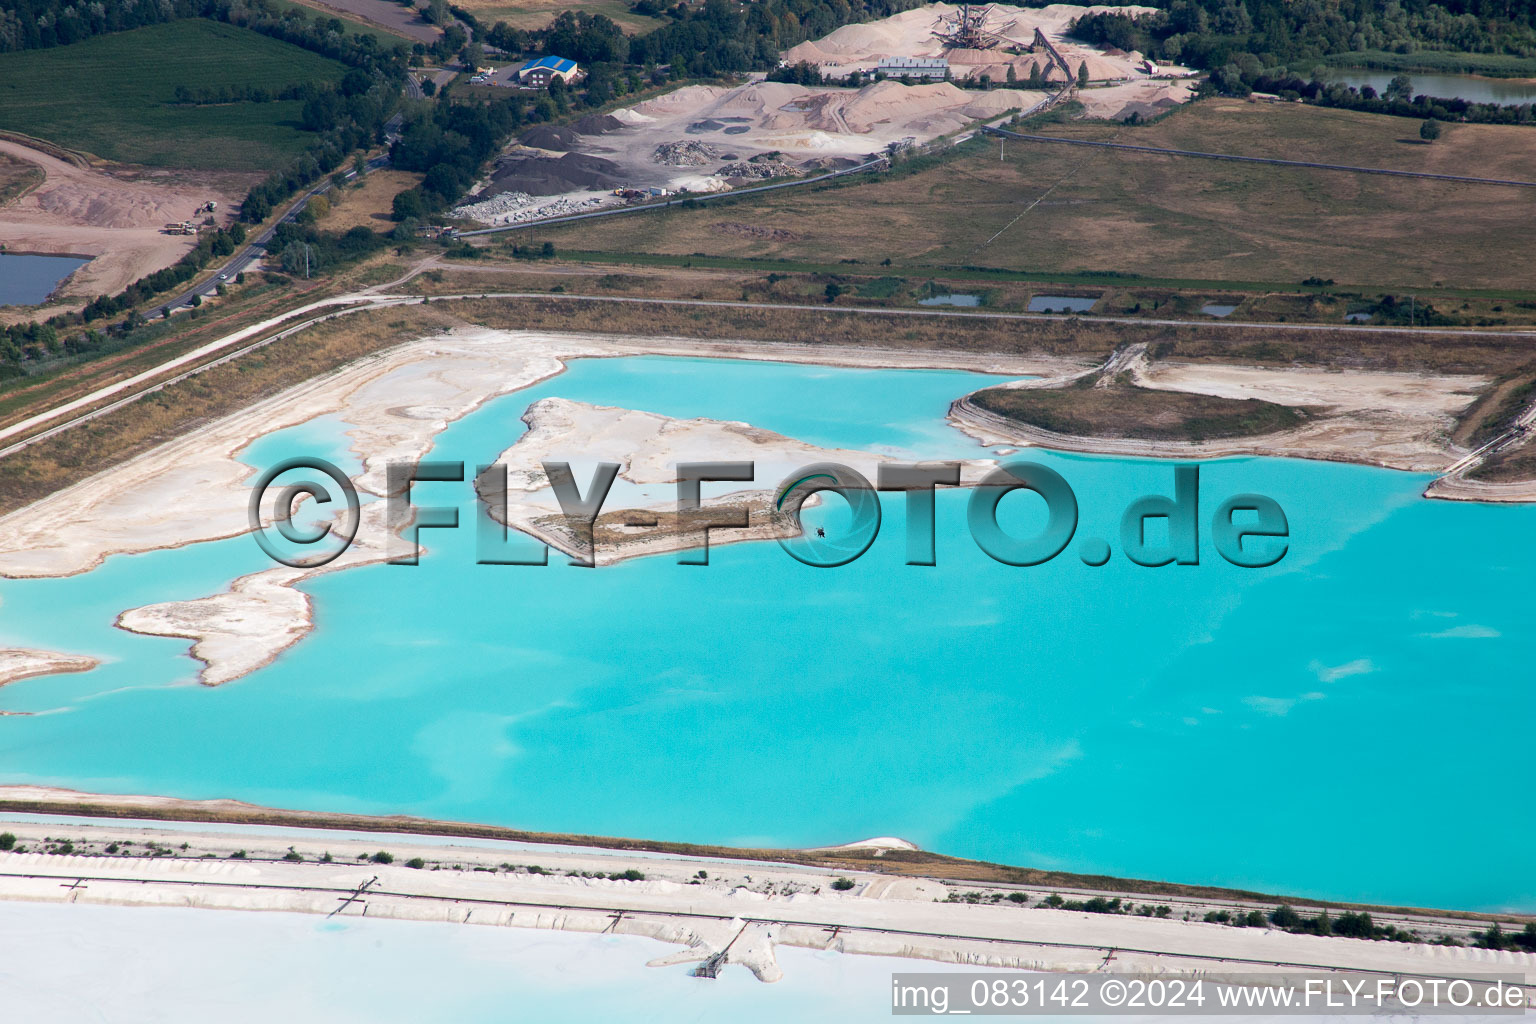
686	153
542	176
488	209
548	136
521	208
757	169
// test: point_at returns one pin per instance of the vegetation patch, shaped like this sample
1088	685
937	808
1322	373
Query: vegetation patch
1123	410
117	95
17	178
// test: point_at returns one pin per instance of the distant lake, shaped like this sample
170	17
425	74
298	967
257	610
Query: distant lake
1472	88
1060	304
951	300
28	280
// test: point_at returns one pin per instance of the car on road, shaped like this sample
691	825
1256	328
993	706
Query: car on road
223	277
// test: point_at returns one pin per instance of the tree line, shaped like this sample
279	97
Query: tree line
1397	99
1212	34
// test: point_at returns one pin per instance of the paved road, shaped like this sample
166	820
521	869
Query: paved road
256	245
701	198
1258	159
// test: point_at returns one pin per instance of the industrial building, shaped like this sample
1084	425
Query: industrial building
913	67
542	70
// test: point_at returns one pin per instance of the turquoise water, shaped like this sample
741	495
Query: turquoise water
27	280
1350	724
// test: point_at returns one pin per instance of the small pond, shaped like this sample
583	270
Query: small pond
1060	304
27	280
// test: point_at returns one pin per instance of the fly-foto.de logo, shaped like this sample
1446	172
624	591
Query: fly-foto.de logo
1247	530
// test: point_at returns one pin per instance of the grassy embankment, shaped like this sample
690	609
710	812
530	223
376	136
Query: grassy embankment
1438	62
17	178
114	96
1123	410
1162	218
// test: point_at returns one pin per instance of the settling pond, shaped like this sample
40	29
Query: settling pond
1348	724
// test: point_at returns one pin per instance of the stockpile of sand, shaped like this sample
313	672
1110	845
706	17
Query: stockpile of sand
914	33
780	115
1146	98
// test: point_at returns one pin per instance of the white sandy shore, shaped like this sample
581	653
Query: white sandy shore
702	904
23	663
647	446
395	403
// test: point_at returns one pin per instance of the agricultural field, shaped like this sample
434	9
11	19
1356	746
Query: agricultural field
112	96
1065	210
535	14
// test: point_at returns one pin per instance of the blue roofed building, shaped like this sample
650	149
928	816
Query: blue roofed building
540	71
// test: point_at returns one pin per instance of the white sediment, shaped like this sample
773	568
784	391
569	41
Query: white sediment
23	663
700	903
195	489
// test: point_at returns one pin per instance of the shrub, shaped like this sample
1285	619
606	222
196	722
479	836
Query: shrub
7	840
237	855
293	855
416	862
843	884
1284	917
383	858
630	875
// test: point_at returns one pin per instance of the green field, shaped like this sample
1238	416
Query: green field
112	96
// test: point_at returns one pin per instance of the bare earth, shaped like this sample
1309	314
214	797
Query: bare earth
912	34
1397	420
85	212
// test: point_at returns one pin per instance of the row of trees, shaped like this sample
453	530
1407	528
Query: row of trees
211	245
1213	33
1398	99
450	142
